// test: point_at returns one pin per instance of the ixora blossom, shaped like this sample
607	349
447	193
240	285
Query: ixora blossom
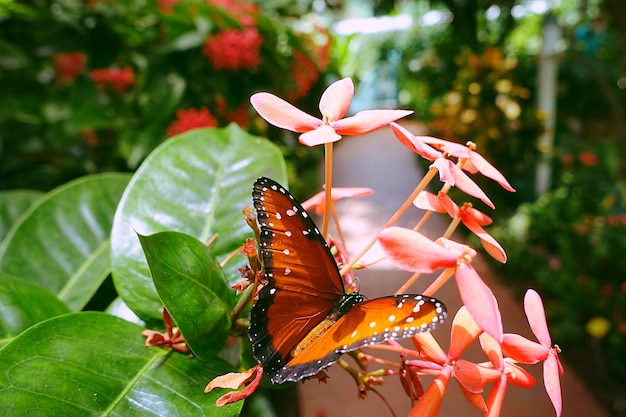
118	79
469	216
470	377
68	65
525	351
414	252
187	119
334	105
234	49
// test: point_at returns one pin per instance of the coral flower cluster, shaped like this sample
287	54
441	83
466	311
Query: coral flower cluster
117	79
234	49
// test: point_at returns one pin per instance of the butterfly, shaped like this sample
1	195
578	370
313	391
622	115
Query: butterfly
303	320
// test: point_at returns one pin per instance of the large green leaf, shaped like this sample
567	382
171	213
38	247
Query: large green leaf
12	205
62	242
23	304
196	183
93	364
191	286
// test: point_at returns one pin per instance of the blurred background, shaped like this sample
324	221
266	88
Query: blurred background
540	87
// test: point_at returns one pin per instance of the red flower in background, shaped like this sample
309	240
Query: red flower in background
68	65
117	79
191	119
234	49
166	6
305	74
239	115
588	158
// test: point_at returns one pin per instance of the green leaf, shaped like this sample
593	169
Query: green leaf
23	304
93	364
62	242
196	183
12	205
192	288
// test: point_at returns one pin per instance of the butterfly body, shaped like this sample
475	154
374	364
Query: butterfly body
303	320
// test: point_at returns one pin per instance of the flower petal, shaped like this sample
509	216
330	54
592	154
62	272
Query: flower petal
496	397
430	403
519	376
461	250
523	350
464	331
533	306
444	166
282	114
429	348
428	201
320	135
337	193
448	205
335	101
474	399
479	300
484	167
490	244
552	382
413	143
493	350
367	121
470	376
232	380
413	251
465	184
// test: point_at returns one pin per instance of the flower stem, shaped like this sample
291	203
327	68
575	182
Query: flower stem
403	208
438	282
328	185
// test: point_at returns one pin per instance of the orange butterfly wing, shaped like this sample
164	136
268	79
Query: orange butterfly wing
302	320
369	322
304	284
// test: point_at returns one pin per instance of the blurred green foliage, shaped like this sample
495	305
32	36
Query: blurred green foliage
569	244
92	86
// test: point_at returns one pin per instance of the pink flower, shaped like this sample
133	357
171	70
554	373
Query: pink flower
470	377
526	351
334	105
449	172
118	79
509	373
469	216
413	251
191	119
475	162
234	49
68	65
